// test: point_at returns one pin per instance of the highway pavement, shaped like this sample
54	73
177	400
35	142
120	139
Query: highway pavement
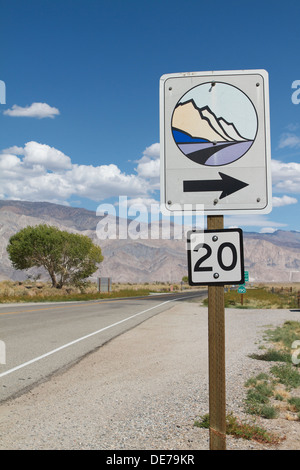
39	340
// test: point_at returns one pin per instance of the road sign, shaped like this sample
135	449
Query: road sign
215	257
215	142
246	276
242	290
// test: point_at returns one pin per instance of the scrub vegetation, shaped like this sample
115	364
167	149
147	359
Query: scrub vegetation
243	430
264	297
276	393
36	291
272	394
273	296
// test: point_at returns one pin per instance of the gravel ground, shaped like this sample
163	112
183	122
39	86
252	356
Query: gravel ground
145	389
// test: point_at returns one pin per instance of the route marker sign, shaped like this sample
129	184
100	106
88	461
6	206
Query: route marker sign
215	257
215	142
242	290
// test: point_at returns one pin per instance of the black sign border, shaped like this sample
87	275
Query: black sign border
216	283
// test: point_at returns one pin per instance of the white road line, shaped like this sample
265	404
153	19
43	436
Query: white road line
80	339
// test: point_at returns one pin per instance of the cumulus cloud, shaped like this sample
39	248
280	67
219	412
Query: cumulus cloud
14	149
49	157
35	110
283	201
153	151
149	165
40	172
286	176
149	168
105	181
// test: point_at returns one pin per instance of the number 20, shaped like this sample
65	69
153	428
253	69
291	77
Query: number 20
208	253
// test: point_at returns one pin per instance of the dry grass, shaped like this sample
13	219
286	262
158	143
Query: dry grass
245	430
31	291
265	296
155	286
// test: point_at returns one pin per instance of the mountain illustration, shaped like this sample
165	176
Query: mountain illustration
205	138
230	129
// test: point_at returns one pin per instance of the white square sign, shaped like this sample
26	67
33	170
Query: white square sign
215	257
215	142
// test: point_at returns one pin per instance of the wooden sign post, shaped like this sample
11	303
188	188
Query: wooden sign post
216	351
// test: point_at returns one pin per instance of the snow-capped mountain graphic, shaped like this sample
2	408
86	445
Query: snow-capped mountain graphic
206	138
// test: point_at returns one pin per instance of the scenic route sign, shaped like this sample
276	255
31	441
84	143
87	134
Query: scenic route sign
242	289
215	257
215	142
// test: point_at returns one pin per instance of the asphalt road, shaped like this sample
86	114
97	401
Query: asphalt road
41	339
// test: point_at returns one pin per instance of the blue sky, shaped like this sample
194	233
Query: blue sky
80	125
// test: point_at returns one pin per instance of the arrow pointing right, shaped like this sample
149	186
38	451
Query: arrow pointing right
227	184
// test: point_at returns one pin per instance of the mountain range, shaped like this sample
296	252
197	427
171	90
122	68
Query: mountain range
268	256
203	123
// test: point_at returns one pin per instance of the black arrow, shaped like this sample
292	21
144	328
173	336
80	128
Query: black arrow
226	184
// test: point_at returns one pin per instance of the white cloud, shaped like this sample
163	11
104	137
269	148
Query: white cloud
48	157
9	162
44	187
268	230
40	172
283	201
286	176
251	220
105	181
14	149
35	110
293	126
149	168
149	165
153	151
290	140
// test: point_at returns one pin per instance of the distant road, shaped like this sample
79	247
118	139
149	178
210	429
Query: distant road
41	339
